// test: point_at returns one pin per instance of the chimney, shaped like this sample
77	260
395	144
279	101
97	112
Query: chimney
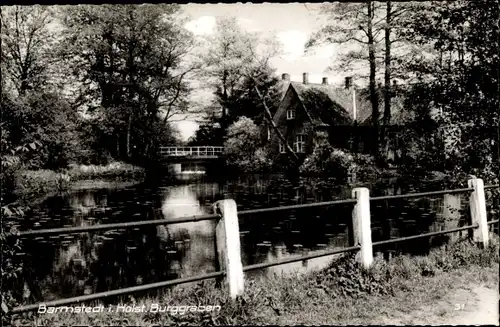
285	77
325	81
305	78
348	82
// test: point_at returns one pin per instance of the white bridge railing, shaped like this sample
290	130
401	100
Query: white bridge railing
191	151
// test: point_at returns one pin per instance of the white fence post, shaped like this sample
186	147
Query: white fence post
361	225
478	211
451	214
227	235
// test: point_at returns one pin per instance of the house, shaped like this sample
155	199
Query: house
343	113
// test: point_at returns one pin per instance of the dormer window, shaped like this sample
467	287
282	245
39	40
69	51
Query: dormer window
290	114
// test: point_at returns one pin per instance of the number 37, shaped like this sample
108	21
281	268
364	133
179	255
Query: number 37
459	306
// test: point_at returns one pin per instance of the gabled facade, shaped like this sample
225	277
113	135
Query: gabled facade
343	113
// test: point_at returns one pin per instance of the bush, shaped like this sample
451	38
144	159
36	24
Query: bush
365	167
113	169
34	182
465	252
11	267
242	147
348	278
329	161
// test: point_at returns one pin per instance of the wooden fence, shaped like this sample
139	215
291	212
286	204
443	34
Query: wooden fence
228	238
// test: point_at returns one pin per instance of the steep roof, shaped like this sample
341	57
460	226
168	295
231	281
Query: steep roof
399	115
327	104
283	86
331	105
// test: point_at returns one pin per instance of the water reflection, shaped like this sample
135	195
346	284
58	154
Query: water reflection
70	265
194	242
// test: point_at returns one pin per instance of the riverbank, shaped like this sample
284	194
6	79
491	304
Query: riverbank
34	183
394	292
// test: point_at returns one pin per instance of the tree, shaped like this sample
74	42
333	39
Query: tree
357	25
47	120
243	100
387	71
462	79
130	61
208	133
27	44
233	56
242	146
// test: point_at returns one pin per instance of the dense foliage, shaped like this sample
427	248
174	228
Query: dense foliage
461	96
447	53
341	165
243	146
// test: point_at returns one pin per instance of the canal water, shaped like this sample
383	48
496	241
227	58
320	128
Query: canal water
71	265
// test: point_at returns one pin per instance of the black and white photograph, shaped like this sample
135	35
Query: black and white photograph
206	164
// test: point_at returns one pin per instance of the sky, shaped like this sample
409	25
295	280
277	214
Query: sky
292	24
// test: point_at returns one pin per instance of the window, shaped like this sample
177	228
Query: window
290	114
300	144
282	147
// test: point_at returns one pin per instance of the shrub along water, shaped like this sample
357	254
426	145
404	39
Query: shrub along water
339	164
33	183
337	291
112	170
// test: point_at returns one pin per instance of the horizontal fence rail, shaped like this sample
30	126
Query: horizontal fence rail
487	187
143	223
133	224
295	206
195	151
301	258
421	194
227	217
414	237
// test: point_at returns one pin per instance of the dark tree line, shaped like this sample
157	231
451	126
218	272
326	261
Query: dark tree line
91	84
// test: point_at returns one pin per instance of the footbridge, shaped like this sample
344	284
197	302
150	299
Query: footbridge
176	153
191	160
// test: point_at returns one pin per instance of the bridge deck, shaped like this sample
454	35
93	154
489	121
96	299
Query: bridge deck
194	152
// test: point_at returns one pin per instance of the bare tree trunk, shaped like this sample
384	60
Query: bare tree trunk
129	125
373	87
224	92
387	79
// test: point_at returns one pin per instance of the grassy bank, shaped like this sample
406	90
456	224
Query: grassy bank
340	294
32	183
